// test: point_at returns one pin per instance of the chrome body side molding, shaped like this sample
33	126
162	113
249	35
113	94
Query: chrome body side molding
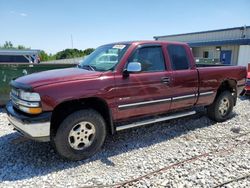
206	93
139	104
184	97
166	100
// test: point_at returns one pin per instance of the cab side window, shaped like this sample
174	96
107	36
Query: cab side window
151	58
178	57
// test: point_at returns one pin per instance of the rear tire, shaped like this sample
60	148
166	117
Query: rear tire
222	107
80	135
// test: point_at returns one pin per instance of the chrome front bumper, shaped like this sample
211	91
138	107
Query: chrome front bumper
36	128
35	131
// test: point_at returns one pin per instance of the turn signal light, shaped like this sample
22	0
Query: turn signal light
31	110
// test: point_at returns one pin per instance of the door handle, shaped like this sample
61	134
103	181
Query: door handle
165	80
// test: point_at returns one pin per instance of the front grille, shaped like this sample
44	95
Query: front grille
15	92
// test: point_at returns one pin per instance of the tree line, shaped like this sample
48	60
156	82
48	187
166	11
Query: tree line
64	54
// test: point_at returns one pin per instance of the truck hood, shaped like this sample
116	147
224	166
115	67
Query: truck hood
57	76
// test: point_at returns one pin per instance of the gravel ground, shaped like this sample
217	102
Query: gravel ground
188	152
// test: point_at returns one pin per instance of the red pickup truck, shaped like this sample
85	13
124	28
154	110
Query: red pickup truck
119	86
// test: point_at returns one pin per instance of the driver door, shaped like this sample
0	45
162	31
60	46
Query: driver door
146	92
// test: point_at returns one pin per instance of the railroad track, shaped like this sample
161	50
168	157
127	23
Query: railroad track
227	150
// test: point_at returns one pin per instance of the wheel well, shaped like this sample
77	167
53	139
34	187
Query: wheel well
228	85
66	108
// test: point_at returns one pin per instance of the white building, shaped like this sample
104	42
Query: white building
229	46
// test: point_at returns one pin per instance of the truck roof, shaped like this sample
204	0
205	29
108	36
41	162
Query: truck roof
148	42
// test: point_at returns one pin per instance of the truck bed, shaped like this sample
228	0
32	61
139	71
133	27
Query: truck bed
213	76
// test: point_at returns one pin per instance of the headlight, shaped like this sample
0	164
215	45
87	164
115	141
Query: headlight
30	110
26	101
28	96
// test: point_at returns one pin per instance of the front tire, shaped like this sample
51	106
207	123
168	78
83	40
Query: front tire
222	107
80	135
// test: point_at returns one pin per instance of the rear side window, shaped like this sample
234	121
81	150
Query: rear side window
178	57
151	58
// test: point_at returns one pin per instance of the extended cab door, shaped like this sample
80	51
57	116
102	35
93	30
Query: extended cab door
145	92
185	76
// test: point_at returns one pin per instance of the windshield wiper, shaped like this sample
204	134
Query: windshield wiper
87	67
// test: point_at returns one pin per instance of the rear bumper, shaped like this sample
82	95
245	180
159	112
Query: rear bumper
34	127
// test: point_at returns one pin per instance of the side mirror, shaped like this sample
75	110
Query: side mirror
134	67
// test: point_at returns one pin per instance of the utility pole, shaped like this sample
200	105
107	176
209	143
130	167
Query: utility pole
72	46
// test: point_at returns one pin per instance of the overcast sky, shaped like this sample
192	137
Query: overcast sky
49	24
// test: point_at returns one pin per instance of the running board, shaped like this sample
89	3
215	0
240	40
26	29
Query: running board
156	120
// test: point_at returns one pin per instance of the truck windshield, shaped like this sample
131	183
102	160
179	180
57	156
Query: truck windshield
104	58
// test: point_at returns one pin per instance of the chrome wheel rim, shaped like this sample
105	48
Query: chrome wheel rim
224	106
81	135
